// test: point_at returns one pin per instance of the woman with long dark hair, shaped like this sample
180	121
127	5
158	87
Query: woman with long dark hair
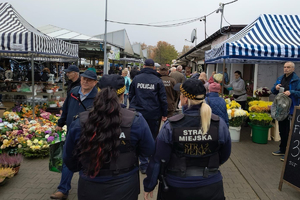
103	145
193	144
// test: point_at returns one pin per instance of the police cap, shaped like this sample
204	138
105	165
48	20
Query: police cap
113	80
191	88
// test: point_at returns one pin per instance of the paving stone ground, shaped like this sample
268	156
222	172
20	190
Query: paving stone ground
250	173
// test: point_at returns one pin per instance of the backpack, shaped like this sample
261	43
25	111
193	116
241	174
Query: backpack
280	108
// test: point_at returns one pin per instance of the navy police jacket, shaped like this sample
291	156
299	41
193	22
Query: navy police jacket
73	107
147	94
164	150
140	137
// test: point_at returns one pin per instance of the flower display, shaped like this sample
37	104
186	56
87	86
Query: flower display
259	106
262	119
263	92
236	117
11	116
232	104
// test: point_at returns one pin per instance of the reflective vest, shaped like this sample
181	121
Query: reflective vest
127	159
194	153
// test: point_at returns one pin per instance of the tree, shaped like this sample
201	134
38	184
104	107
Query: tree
185	49
164	53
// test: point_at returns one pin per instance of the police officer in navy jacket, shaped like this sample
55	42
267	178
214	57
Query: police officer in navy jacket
147	95
107	141
193	144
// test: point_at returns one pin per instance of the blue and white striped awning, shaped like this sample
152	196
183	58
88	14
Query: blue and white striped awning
269	39
18	38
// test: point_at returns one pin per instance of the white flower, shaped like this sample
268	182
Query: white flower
32	122
19	146
35	141
9	126
46	136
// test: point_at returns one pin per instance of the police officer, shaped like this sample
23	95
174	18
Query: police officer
193	144
147	95
103	144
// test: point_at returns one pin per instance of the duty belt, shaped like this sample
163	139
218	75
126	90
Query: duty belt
195	171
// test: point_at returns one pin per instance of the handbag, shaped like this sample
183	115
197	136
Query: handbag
56	157
237	96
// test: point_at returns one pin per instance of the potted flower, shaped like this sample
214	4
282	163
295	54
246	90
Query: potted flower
52	104
13	161
236	117
263	93
5	173
260	124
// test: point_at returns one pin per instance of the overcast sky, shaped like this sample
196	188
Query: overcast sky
87	16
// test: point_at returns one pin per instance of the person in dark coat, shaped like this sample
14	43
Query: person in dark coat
134	71
217	104
45	75
79	99
73	75
169	84
103	145
193	144
147	95
290	82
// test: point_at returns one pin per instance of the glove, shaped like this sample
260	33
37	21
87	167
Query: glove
230	88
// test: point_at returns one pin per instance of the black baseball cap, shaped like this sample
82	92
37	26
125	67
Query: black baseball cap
89	74
113	80
72	68
191	88
149	62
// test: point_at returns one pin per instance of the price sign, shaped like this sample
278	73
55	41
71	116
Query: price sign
291	168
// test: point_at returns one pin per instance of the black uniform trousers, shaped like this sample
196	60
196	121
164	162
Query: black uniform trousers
126	188
214	191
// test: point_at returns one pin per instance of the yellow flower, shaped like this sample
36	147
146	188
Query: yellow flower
5	141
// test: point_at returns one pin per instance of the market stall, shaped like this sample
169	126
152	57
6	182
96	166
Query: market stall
21	41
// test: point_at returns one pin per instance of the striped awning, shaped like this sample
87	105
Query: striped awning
18	38
269	39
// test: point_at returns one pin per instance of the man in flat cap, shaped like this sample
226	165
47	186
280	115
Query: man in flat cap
79	99
147	95
73	75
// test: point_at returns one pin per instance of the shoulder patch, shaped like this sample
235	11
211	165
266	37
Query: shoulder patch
215	117
176	118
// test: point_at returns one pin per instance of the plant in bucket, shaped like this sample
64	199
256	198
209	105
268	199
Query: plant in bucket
260	124
6	173
13	161
236	118
263	93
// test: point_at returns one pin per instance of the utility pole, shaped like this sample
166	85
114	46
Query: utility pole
221	9
105	71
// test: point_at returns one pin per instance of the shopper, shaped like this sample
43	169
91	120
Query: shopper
211	79
92	68
103	144
204	77
169	84
291	84
238	88
193	144
72	73
78	100
147	95
217	104
127	85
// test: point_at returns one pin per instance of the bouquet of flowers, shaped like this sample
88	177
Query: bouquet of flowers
263	92
260	106
232	104
236	117
11	116
262	119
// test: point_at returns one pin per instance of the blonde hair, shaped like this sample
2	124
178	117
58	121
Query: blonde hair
205	112
125	71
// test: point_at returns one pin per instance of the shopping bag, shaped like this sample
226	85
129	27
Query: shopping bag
56	157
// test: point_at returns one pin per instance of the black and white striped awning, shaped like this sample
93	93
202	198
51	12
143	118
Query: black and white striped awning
18	38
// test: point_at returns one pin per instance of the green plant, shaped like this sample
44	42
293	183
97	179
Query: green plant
52	102
262	119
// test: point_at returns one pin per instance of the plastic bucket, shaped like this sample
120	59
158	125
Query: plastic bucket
260	133
235	133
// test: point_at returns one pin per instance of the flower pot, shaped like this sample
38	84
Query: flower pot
264	98
235	133
16	169
3	182
260	133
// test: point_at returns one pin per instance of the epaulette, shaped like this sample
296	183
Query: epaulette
176	118
215	117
